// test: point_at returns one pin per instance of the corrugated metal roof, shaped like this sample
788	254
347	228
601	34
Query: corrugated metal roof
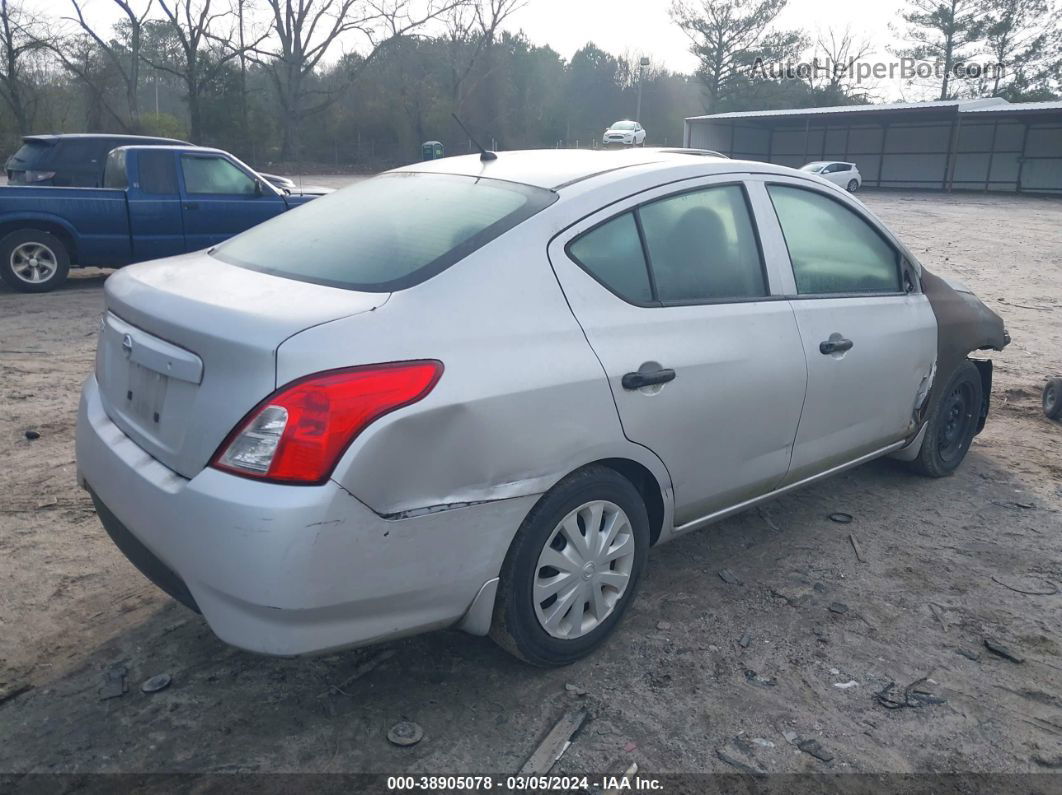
960	104
1017	107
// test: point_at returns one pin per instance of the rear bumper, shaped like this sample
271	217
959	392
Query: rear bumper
288	569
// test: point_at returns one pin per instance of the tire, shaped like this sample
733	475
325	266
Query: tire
522	627
1053	398
33	261
952	425
853	185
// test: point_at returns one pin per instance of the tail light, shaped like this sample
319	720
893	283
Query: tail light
298	433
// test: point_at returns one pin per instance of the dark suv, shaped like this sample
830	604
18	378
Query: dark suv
70	160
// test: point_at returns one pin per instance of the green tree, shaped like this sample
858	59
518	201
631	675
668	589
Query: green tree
729	37
944	32
1024	38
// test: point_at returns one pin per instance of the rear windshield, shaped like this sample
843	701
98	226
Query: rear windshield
30	154
385	233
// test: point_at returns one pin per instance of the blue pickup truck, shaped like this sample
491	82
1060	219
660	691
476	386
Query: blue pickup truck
155	202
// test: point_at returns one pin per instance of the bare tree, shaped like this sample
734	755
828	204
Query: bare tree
127	64
303	32
20	38
204	51
471	28
83	58
841	51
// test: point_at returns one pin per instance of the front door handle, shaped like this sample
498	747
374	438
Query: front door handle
191	205
835	344
639	379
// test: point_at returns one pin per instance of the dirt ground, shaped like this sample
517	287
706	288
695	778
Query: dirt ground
703	675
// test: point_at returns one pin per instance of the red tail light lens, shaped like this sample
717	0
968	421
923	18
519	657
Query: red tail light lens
298	433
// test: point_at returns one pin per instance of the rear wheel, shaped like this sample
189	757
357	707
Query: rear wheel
952	425
33	261
853	185
1053	398
572	568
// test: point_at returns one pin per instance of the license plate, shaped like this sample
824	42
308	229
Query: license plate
146	394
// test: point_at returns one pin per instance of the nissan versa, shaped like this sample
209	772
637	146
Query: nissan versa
473	392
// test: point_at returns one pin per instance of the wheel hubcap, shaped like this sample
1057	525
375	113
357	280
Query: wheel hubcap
584	570
33	262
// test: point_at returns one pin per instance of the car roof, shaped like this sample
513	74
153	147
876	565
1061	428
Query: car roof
174	147
132	139
555	169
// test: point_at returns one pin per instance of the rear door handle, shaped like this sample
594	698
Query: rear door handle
835	345
191	205
639	379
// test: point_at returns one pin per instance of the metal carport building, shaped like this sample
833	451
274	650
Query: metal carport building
976	144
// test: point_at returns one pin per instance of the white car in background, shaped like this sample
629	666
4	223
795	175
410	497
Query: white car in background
628	133
844	174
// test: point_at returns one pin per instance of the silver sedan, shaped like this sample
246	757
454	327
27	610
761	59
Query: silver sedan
474	392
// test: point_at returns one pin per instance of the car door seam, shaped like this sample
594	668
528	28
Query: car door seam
604	371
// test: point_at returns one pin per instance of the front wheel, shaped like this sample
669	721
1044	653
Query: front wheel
33	261
853	185
572	568
952	424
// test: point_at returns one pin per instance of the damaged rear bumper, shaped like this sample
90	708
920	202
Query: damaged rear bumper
290	570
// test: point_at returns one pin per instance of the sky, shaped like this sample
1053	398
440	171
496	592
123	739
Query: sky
636	27
645	27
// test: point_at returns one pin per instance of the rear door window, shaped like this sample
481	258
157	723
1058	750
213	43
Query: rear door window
833	250
386	233
77	153
612	254
703	247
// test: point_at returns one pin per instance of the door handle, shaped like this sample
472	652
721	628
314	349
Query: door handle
191	205
836	344
639	379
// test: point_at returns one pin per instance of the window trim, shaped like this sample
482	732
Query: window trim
656	302
898	254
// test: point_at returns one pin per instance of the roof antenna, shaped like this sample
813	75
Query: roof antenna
484	154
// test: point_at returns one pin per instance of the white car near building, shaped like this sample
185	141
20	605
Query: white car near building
628	133
846	175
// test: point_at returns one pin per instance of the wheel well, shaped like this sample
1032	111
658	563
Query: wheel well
44	226
984	368
647	486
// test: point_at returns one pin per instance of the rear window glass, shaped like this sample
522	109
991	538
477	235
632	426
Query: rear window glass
114	175
386	233
31	154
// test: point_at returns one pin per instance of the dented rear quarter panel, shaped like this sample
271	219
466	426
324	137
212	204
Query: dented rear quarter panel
522	401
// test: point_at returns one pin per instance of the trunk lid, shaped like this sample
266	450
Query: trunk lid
188	346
